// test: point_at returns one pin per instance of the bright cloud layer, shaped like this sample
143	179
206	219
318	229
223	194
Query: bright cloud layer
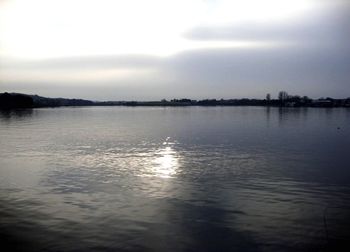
46	28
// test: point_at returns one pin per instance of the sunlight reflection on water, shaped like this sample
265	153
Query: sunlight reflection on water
161	161
166	162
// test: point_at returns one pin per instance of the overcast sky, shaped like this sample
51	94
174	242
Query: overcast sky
154	49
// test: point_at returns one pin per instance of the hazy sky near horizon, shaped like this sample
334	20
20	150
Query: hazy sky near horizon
154	49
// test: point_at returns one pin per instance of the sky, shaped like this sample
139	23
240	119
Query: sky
155	49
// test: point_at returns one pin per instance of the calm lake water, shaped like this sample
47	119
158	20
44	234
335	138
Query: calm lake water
174	179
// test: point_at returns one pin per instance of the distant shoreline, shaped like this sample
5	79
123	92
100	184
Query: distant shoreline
16	100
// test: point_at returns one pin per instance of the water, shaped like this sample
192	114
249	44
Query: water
174	179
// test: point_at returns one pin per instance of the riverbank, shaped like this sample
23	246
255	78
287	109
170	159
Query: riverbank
15	100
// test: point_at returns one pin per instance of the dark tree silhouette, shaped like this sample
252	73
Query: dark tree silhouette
8	101
283	95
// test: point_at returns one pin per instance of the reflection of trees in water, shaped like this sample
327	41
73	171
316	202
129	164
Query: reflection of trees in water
291	114
15	113
284	115
268	115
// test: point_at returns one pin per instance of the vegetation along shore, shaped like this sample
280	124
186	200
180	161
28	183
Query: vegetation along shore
17	100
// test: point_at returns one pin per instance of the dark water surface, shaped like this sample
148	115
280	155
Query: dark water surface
175	179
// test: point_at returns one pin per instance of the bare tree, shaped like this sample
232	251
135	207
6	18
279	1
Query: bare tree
282	96
268	97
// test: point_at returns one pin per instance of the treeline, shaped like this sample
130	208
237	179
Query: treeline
40	101
14	100
286	100
283	101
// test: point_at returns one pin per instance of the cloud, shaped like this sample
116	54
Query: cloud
326	26
308	56
85	70
235	73
205	73
86	62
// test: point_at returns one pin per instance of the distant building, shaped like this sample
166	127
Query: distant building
290	104
322	103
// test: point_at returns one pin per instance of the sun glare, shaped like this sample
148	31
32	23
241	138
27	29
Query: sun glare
39	29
